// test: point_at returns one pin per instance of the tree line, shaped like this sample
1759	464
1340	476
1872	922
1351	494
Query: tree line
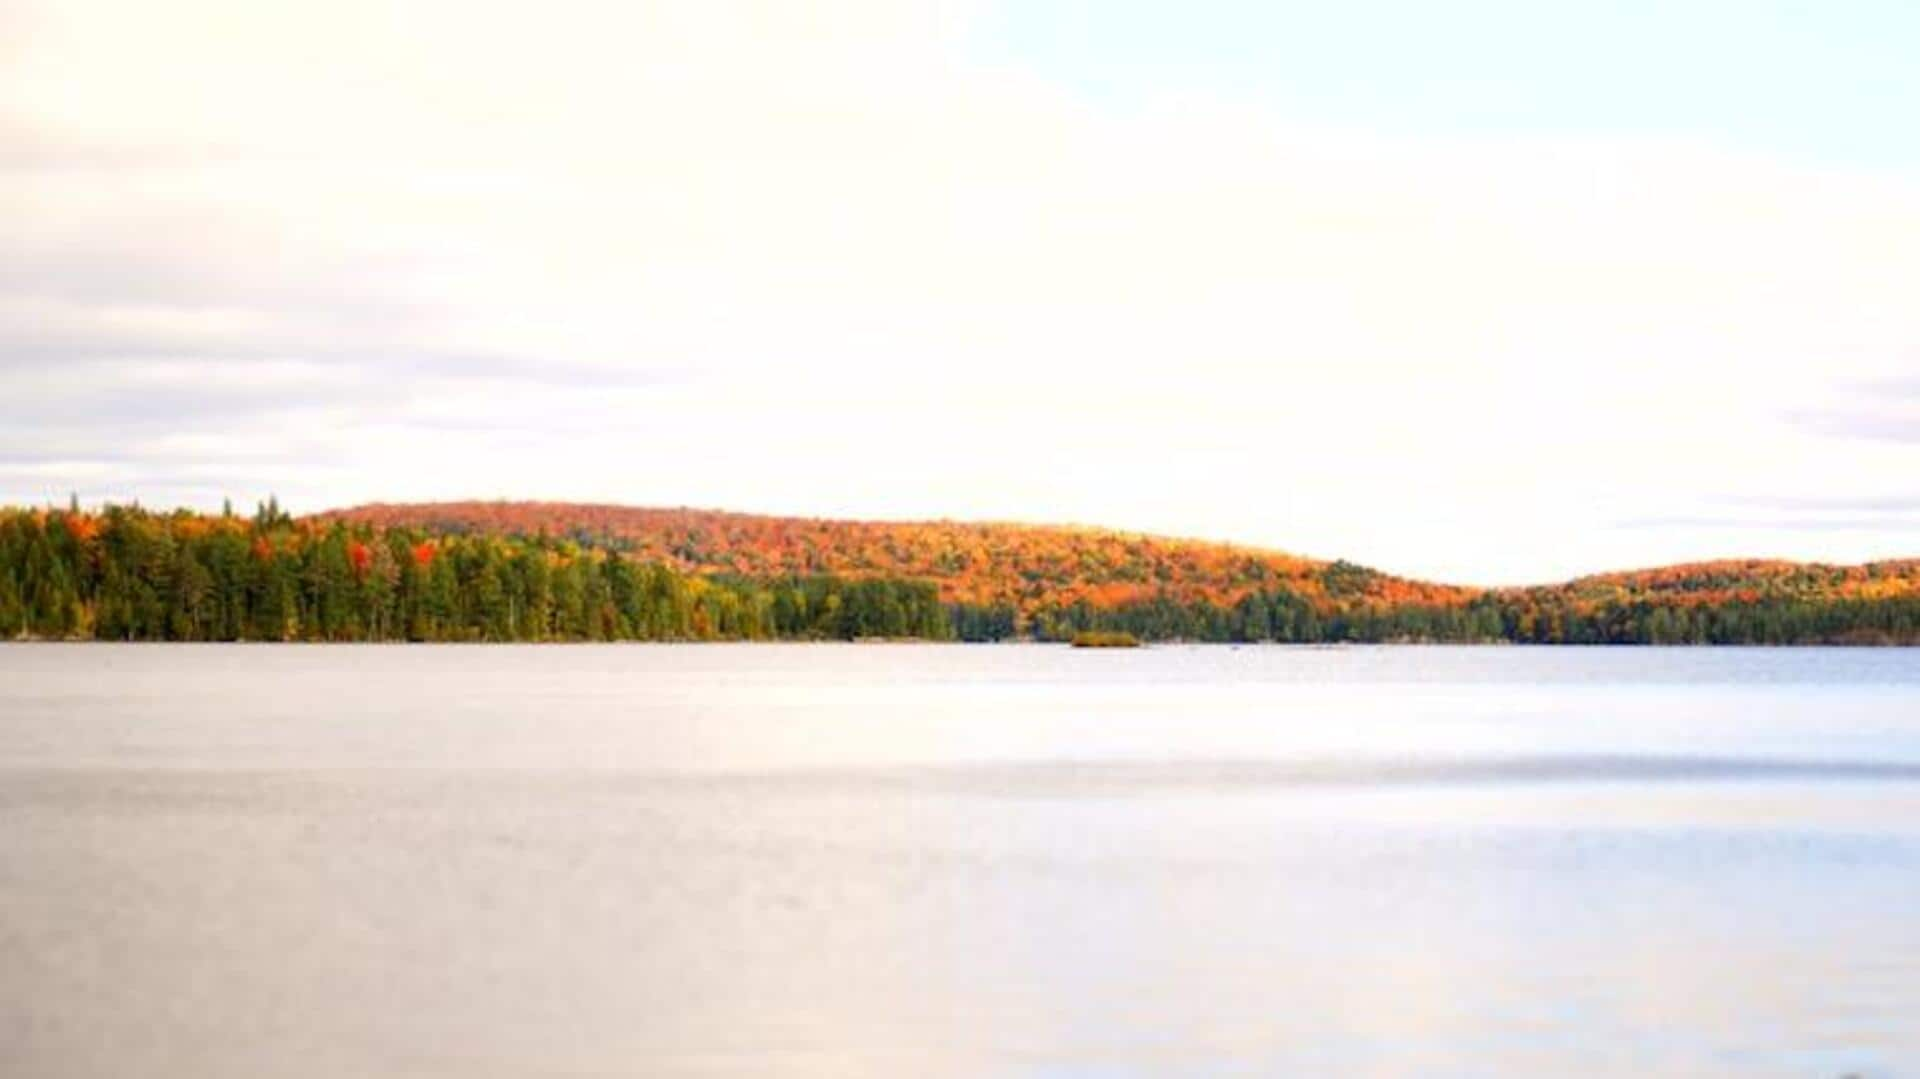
128	574
1492	617
125	573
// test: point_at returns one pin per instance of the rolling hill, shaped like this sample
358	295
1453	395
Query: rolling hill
1026	566
534	571
1033	568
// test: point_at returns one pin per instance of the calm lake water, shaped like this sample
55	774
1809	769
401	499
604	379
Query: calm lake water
903	860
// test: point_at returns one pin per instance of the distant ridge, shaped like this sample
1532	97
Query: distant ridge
973	562
1031	565
534	571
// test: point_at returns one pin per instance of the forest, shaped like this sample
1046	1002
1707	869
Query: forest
439	574
125	574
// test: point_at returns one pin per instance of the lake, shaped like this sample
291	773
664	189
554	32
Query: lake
927	860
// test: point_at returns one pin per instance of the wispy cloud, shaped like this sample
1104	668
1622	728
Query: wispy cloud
1883	514
1897	526
1888	504
1885	409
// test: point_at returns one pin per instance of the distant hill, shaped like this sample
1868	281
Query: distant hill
1746	580
498	571
1034	569
1025	566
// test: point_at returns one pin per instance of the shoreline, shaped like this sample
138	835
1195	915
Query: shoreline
1144	645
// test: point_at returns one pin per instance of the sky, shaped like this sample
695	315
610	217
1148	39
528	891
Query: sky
1489	292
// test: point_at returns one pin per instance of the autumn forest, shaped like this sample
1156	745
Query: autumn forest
484	571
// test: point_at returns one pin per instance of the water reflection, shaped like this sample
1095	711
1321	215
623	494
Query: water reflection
720	861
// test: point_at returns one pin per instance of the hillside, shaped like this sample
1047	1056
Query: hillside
1050	579
1734	580
555	572
1024	566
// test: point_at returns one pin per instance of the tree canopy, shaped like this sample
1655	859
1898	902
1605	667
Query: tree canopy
515	573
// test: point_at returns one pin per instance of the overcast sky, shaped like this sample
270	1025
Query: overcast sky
1481	291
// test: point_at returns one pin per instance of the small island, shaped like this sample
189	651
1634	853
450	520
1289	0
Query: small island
1093	638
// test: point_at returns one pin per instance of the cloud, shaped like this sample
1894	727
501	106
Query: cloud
1882	409
1902	525
820	259
1877	514
1892	504
1883	427
1906	388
